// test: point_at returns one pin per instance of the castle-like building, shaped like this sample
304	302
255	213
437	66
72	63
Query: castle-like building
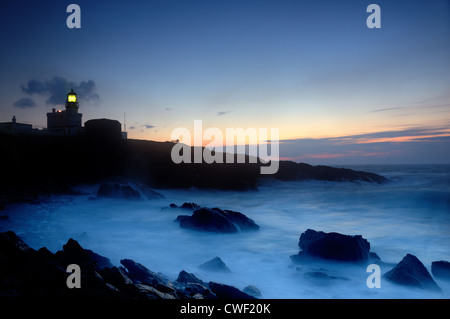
68	123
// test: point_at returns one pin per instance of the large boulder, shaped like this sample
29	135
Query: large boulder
441	269
411	272
333	246
217	220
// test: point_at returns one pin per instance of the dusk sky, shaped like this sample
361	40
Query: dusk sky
339	92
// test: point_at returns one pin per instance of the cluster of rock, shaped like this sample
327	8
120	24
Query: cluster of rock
410	271
25	272
214	219
126	190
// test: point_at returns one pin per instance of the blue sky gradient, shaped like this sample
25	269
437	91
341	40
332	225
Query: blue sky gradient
310	68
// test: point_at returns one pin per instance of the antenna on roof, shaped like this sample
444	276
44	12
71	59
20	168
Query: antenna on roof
124	123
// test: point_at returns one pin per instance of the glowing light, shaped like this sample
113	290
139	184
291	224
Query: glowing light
71	98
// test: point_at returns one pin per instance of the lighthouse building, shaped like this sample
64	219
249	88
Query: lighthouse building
66	122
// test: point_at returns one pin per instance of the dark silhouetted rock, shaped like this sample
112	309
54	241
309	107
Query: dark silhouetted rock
441	269
411	272
291	171
116	190
149	162
25	272
146	192
192	206
215	264
140	273
374	258
333	246
228	292
127	190
12	244
73	253
189	286
184	276
117	277
217	220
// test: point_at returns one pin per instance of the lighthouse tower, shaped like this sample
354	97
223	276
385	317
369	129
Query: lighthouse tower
72	115
66	122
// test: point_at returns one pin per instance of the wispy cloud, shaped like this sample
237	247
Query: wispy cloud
220	113
385	109
25	102
142	127
57	88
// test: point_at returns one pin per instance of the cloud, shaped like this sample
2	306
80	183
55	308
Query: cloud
416	144
385	110
220	113
24	103
57	88
142	126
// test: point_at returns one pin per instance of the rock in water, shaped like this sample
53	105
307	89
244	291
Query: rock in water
127	190
116	190
252	291
217	220
215	264
184	276
334	246
192	206
411	272
441	269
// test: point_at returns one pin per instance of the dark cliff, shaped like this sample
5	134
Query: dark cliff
36	165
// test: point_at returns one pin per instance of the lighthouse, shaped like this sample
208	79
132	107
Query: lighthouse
66	122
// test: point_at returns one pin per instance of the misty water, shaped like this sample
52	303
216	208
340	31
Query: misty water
410	214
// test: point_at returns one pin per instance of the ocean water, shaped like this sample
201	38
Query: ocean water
410	214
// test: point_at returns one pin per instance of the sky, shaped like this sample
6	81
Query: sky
338	91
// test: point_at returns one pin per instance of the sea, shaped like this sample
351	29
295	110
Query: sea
408	215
